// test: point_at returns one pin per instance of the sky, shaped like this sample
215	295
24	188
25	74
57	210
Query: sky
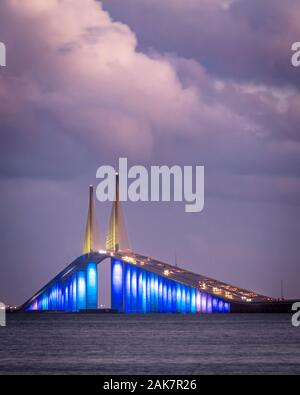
173	82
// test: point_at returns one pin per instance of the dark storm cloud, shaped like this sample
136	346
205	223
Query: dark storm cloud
240	39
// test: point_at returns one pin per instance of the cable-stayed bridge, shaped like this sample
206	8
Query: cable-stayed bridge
139	284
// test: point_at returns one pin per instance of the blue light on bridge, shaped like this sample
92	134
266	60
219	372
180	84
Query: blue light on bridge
215	305
66	297
144	292
221	306
152	295
133	289
188	299
193	301
226	307
74	292
33	306
140	291
117	285
92	285
160	294
183	299
156	298
148	285
174	294
209	309
203	303
39	303
178	298
60	305
164	299
53	298
198	301
45	301
127	281
81	290
169	306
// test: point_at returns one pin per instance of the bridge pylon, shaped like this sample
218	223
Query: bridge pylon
117	238
92	236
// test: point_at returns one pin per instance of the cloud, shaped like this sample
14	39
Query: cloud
72	69
77	92
240	40
75	77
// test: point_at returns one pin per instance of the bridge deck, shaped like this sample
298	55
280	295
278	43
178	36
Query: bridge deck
204	283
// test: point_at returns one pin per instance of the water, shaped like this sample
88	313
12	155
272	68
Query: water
153	344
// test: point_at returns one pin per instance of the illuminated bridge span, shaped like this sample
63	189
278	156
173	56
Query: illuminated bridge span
139	284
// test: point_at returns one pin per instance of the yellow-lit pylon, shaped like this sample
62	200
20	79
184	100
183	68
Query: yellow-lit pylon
92	238
117	239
